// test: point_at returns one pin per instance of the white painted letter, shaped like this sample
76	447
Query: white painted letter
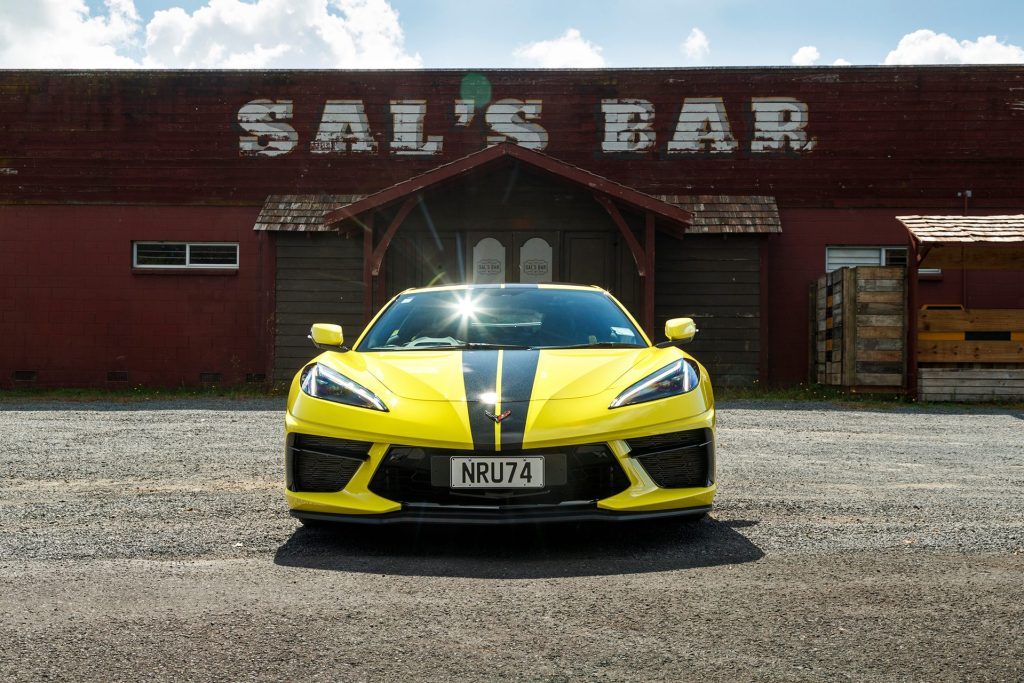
508	118
465	110
628	126
407	116
269	137
343	124
702	127
779	124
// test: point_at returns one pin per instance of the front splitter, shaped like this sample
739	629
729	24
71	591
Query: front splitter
501	515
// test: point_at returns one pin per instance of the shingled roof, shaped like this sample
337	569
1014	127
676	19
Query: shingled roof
963	229
300	212
712	214
722	214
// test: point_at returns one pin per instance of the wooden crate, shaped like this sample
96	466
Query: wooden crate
860	323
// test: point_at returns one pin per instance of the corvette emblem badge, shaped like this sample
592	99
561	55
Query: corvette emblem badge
498	418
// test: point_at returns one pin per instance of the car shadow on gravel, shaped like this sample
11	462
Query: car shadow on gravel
540	551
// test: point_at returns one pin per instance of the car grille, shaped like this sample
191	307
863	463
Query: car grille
322	464
677	460
581	473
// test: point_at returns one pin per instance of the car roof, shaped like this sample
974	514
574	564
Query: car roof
510	285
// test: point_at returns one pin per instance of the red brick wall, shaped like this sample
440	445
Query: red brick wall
72	310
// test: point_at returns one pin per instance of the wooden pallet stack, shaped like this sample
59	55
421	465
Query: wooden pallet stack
970	355
859	335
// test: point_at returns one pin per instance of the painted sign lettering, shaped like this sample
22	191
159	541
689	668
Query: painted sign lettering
777	125
270	136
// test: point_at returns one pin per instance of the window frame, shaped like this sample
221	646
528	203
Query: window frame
188	265
883	257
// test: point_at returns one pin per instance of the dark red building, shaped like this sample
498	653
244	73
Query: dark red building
178	227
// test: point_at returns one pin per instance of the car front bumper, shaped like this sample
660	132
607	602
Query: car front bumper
641	499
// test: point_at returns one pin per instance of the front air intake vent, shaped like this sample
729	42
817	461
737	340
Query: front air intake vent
677	460
573	474
322	464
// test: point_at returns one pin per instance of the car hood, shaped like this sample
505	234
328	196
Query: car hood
518	375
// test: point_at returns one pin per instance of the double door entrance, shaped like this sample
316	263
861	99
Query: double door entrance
531	257
586	257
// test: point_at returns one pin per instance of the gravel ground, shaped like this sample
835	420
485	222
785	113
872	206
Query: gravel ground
150	541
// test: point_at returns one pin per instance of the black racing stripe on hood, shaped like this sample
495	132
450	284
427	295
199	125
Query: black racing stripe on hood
479	375
518	371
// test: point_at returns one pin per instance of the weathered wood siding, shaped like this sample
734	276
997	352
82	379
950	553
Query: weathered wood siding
971	383
868	136
319	279
715	281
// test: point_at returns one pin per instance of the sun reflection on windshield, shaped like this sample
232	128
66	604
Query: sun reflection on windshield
466	307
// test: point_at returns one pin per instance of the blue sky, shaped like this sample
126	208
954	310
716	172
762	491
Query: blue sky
649	33
486	33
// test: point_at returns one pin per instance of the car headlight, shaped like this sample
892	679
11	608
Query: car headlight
672	380
321	381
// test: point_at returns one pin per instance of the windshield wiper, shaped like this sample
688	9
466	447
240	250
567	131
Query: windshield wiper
461	347
484	346
599	345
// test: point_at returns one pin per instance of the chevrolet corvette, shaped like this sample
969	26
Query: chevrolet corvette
500	404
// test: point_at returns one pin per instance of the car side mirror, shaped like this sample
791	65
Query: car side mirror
679	331
327	337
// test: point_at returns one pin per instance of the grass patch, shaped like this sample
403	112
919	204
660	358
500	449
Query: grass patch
806	392
841	397
140	393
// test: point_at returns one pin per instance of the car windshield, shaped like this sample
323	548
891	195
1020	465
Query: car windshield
533	318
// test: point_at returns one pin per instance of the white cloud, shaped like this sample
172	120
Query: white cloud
219	34
929	47
571	50
280	34
841	62
805	56
63	33
696	46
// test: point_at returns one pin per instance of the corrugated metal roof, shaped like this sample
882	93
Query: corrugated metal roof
722	214
961	229
300	212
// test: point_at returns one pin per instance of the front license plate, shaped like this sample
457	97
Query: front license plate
512	472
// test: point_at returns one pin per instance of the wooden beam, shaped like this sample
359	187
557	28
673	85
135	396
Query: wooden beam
910	324
972	320
389	234
634	247
974	257
648	280
971	352
534	159
367	273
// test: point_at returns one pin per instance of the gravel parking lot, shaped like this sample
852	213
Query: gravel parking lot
150	541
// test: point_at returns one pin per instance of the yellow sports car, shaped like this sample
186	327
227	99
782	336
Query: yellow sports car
500	404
